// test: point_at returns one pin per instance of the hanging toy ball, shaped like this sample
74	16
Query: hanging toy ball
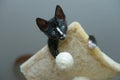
64	60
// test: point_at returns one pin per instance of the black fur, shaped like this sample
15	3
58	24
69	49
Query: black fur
50	29
92	38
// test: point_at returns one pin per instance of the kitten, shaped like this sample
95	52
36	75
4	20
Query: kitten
55	29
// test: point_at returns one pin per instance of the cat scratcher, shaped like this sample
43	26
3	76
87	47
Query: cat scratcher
89	63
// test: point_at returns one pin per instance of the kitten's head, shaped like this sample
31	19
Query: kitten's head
56	27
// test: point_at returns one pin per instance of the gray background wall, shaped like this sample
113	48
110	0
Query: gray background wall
19	33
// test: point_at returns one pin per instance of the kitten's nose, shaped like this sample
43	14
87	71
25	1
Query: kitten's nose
63	37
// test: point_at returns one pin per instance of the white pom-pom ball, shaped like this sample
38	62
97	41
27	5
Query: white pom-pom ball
64	60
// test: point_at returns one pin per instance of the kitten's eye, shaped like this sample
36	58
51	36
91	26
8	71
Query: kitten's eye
53	33
62	27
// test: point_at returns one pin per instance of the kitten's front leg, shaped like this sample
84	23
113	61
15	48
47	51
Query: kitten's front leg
53	45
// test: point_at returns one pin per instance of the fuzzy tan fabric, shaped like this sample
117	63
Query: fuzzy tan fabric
89	64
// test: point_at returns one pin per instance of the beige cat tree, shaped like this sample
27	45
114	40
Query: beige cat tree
83	63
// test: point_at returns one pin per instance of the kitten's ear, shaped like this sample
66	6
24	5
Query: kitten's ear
59	13
42	24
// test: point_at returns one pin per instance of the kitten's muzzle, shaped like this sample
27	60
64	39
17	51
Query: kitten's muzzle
63	37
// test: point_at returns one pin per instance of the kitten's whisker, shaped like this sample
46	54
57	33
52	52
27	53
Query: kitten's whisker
61	33
64	35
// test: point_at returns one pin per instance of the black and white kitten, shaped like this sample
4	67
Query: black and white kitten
55	29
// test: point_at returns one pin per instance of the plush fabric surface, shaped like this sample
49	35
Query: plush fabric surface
89	63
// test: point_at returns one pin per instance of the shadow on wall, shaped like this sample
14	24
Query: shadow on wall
16	66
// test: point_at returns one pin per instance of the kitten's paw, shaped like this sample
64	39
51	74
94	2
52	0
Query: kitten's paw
64	60
92	42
